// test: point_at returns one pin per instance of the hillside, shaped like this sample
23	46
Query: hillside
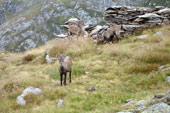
129	69
27	24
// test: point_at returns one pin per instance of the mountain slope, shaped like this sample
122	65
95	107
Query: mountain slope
120	71
42	22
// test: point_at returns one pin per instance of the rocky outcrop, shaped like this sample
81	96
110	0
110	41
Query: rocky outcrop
160	103
134	18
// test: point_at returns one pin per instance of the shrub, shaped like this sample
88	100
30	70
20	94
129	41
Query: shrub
28	58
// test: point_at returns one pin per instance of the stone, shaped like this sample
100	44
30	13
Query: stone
142	37
92	89
60	103
61	36
86	73
158	108
141	103
125	112
21	101
96	29
165	69
29	90
129	100
150	16
164	11
168	78
159	96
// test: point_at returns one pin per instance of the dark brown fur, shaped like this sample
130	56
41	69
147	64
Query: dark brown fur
109	34
65	65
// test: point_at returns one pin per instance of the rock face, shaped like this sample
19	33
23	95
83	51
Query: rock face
42	23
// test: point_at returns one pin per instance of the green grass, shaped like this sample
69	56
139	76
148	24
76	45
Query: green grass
119	71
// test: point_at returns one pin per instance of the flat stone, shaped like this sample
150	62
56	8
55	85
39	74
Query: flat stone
92	89
150	16
142	37
164	11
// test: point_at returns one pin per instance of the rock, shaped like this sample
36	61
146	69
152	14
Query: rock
159	7
149	16
158	108
129	100
92	89
159	96
62	36
164	11
132	27
47	57
141	103
21	101
60	103
124	112
159	33
86	73
29	90
96	29
165	69
168	78
142	37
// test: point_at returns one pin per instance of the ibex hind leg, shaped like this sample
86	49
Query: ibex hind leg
70	76
61	79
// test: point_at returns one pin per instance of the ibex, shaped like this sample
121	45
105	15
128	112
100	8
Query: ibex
65	65
75	28
110	32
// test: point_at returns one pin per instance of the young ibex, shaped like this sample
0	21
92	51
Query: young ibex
65	65
110	32
74	30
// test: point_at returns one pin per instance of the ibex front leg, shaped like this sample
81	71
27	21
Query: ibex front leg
61	78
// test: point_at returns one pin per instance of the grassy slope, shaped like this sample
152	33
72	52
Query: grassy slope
120	71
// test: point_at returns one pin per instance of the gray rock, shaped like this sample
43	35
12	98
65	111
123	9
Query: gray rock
125	112
129	100
164	11
142	37
159	33
92	89
150	16
168	78
29	90
159	96
141	103
21	101
60	103
158	108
